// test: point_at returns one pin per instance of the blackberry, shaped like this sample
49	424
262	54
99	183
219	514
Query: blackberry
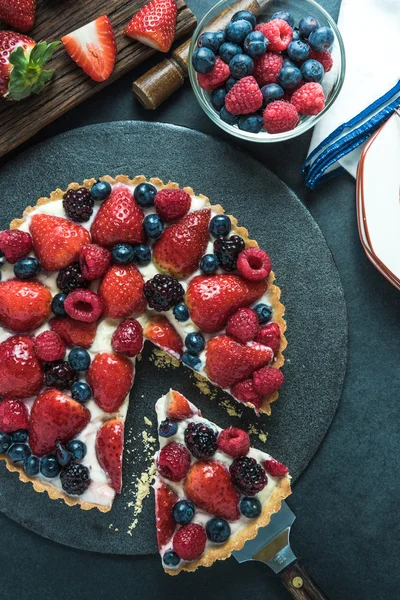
163	292
75	479
228	250
247	475
78	204
201	440
70	278
59	374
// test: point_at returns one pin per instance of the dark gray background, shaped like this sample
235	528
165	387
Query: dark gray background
347	529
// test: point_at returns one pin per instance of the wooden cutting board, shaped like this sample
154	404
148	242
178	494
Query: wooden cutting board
70	85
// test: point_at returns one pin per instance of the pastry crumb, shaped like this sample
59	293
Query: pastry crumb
142	491
162	359
204	386
231	408
148	422
256	430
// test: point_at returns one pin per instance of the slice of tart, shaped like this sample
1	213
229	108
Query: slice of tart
213	490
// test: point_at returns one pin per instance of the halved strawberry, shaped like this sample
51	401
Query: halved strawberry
181	246
57	241
20	14
74	333
13	415
109	449
165	523
24	305
122	292
164	335
20	374
111	377
55	417
154	24
93	48
178	408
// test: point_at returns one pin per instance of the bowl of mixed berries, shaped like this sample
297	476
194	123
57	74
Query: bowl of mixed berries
272	72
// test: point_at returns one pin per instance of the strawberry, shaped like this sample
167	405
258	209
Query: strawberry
217	77
270	335
74	333
54	418
57	241
119	219
15	244
111	377
163	334
20	374
122	292
165	524
154	25
181	246
212	299
22	62
20	14
13	415
172	205
209	485
178	407
93	48
109	448
228	361
267	380
24	305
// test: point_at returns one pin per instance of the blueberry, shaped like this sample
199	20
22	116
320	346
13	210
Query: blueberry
298	50
167	428
32	465
263	312
312	70
183	512
245	15
285	16
211	40
194	342
271	92
237	31
171	559
228	117
209	264
307	25
287	62
144	194
123	253
203	60
5	442
220	225
241	65
321	39
19	436
153	226
18	452
78	449
218	530
250	507
63	456
101	190
27	268
250	123
228	51
289	78
218	98
296	35
230	82
255	44
181	312
191	360
49	466
142	255
57	305
79	359
81	392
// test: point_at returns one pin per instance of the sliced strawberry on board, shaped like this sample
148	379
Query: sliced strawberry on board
164	335
93	48
74	333
55	417
122	292
20	375
109	449
154	25
13	415
178	408
24	305
165	523
111	377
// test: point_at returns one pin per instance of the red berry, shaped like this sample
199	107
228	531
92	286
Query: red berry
254	264
111	377
245	392
217	77
280	116
94	261
267	67
15	244
13	415
74	333
49	346
109	448
172	205
278	33
245	97
21	375
243	325
128	338
275	468
270	335
165	522
267	380
324	58
24	305
234	441
173	461
83	305
189	541
309	99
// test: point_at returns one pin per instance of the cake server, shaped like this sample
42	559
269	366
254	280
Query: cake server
272	547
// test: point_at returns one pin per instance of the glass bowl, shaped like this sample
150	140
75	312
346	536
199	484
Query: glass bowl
332	82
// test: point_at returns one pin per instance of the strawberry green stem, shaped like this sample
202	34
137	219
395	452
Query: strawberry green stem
27	75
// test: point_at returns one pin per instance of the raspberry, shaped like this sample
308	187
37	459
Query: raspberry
94	261
13	415
245	97
163	292
70	278
270	335
173	461
60	375
267	380
248	476
243	325
267	67
201	440
189	541
15	244
128	338
75	479
83	305
309	99
172	205
324	58
280	116
244	391
234	441
217	77
275	468
49	346
278	33
254	264
78	204
228	250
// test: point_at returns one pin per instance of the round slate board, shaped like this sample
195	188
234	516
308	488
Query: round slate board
311	290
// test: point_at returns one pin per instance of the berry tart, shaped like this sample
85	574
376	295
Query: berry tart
212	490
89	274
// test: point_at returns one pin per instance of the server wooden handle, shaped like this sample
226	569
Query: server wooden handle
300	584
